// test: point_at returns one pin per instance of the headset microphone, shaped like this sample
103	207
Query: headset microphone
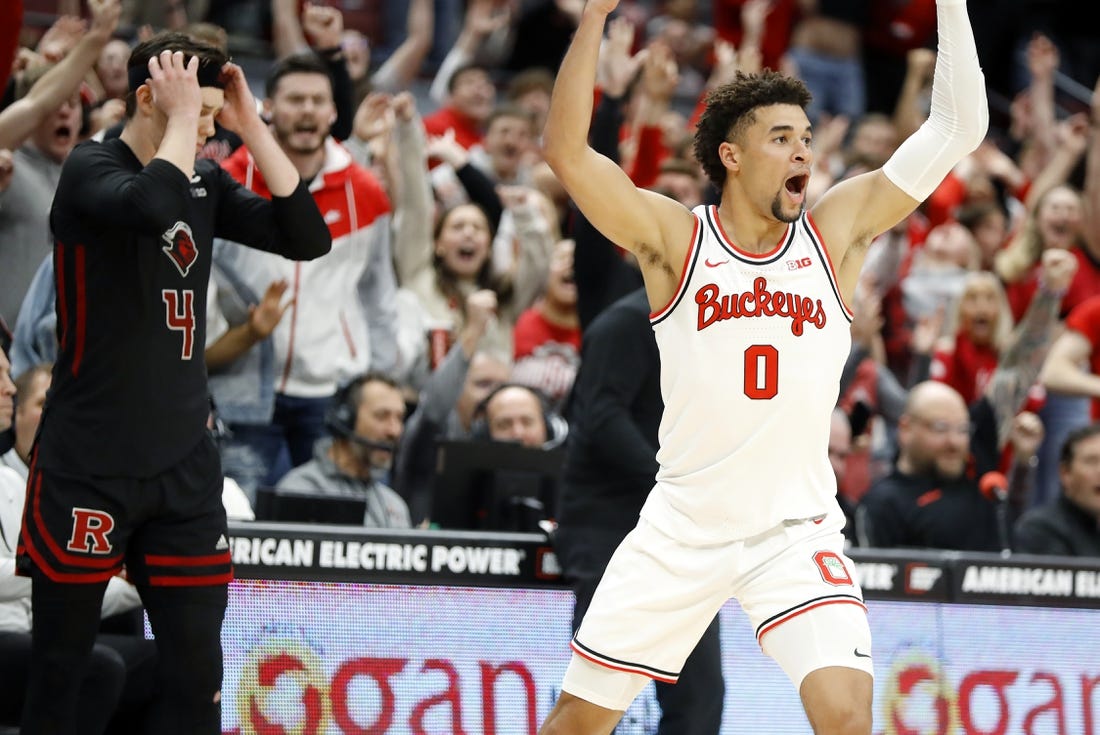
371	444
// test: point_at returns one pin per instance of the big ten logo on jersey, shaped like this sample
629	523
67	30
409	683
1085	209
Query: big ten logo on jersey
799	263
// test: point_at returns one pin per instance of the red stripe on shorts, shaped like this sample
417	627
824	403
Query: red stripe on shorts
201	581
212	560
35	494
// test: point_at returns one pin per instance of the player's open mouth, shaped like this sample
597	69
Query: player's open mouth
63	133
796	186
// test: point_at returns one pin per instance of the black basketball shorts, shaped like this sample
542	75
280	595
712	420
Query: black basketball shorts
168	530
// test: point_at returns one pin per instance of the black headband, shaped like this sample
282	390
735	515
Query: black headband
210	75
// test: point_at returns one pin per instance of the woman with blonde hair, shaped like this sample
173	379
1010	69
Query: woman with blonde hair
1057	221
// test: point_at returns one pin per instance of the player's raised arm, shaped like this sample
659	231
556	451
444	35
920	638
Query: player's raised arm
290	224
240	115
853	212
640	221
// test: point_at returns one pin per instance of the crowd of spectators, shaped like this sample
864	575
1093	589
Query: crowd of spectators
461	274
462	280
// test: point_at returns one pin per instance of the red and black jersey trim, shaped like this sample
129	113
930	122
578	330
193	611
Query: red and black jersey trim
826	262
668	677
72	308
691	258
792	612
780	249
188	571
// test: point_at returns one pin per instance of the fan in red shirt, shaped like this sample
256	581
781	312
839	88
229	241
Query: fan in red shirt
471	98
548	335
1079	345
1058	221
966	359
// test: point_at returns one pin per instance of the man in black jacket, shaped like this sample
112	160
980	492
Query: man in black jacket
610	464
932	498
1070	525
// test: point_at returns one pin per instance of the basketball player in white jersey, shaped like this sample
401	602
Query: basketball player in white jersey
749	310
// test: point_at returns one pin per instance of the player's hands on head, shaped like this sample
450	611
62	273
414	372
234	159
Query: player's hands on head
240	105
175	84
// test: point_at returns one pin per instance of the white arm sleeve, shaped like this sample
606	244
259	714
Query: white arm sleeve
959	117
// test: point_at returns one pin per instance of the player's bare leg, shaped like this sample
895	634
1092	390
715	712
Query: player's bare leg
838	701
575	716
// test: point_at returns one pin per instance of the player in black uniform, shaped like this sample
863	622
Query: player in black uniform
124	472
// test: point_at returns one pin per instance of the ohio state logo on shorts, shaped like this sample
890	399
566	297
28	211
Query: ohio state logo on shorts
832	568
90	529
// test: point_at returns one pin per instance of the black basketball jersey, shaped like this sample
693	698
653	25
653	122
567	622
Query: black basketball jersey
132	262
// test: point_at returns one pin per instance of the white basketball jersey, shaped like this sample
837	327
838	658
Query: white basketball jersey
752	347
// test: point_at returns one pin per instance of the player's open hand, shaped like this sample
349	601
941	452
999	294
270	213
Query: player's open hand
240	106
175	85
59	39
265	316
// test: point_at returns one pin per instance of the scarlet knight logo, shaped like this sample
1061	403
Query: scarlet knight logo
181	247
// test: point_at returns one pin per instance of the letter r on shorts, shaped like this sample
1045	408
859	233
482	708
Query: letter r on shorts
90	529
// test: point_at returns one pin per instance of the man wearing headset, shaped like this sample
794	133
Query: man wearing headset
518	413
365	421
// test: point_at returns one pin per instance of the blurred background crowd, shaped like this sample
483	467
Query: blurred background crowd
458	298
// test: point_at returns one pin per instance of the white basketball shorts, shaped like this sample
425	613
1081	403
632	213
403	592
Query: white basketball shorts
659	594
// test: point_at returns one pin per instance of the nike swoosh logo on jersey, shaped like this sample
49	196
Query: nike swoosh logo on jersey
861	655
714	265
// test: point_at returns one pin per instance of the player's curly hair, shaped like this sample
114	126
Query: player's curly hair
730	110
